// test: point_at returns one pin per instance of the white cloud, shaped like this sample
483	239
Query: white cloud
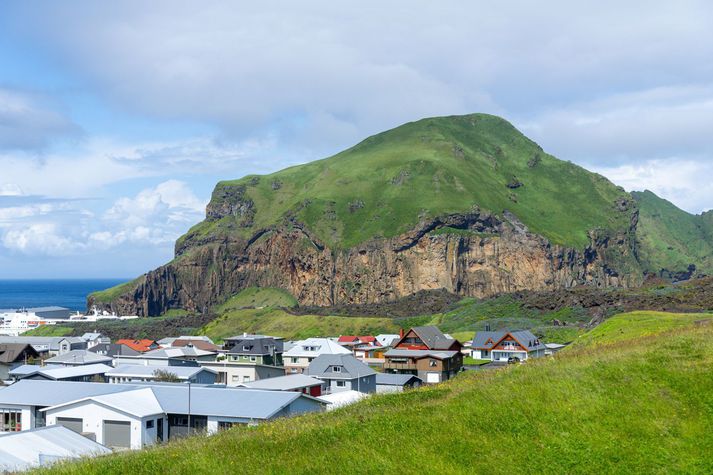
10	189
42	239
684	182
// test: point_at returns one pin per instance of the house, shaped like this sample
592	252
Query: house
71	343
387	339
134	415
84	373
343	373
142	346
113	349
13	355
299	357
502	345
93	339
168	342
395	383
78	358
249	358
370	354
195	343
185	356
552	348
138	373
292	382
45	346
20	451
354	340
427	353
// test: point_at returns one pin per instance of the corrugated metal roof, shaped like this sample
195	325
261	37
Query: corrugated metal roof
285	383
65	372
49	393
79	357
22	450
349	366
139	402
323	346
140	371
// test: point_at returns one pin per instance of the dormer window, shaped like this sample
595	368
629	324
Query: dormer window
246	348
336	369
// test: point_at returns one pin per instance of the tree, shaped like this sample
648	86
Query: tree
165	376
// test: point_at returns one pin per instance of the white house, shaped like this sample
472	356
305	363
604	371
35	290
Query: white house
299	357
137	373
135	415
503	345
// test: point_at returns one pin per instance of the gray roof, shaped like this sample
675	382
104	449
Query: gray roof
205	401
12	352
421	354
79	357
391	379
285	383
28	392
66	372
141	371
524	337
51	342
322	367
433	337
114	349
25	369
24	450
253	345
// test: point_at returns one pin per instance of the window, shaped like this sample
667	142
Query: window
149	424
295	360
246	379
235	378
336	369
432	363
341	384
222	425
253	359
10	420
246	348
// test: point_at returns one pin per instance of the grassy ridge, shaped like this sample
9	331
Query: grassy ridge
672	239
635	406
385	184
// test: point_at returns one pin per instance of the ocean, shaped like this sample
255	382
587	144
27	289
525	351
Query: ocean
70	293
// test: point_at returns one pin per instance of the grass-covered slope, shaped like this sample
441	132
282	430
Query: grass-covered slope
643	405
672	239
385	184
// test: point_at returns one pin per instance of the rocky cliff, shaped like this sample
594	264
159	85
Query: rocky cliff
475	254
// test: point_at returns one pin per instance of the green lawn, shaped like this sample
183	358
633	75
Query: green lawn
631	406
473	362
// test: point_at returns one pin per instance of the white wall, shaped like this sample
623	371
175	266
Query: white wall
93	415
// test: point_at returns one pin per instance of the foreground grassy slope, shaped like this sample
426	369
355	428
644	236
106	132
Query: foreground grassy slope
671	238
385	184
634	406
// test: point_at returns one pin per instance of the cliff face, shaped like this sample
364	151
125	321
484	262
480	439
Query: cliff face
475	254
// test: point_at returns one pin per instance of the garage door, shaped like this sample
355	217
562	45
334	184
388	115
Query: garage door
433	377
73	424
117	434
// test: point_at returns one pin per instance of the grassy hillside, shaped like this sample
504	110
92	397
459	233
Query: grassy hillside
671	238
635	406
385	184
629	326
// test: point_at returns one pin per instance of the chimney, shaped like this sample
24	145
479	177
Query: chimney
401	333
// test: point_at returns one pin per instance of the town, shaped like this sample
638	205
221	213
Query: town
65	397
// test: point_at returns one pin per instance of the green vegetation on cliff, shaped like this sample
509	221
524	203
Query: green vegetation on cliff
672	239
641	405
384	185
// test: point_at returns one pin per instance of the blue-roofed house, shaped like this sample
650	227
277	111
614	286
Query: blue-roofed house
396	383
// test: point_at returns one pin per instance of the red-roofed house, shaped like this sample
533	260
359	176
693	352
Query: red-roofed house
353	340
142	346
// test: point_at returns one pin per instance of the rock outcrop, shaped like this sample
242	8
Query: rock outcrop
473	254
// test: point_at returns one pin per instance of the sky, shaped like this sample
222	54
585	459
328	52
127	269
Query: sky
118	118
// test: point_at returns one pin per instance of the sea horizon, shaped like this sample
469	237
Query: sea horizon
70	293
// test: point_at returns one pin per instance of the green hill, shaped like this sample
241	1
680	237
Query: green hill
672	239
641	405
385	184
